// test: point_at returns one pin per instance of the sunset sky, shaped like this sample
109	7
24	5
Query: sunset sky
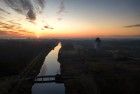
69	18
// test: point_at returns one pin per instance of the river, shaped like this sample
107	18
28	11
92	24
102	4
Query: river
51	66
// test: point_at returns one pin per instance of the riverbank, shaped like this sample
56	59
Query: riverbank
24	87
73	64
99	72
18	84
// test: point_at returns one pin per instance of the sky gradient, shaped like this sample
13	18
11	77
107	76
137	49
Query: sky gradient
69	18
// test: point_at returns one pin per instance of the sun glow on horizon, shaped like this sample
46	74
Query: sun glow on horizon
81	19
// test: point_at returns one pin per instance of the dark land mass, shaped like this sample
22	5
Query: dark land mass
112	69
20	62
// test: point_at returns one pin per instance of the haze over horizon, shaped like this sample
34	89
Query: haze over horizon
69	18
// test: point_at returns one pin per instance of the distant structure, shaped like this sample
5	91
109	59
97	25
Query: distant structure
97	43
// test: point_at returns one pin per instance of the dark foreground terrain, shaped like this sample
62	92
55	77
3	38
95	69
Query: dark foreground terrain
19	60
112	69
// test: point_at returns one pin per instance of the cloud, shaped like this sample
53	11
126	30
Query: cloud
15	34
8	26
2	10
3	33
132	26
28	8
13	29
9	33
31	15
61	9
48	27
12	22
13	14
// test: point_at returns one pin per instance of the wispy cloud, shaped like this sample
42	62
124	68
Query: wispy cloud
132	26
48	27
14	14
61	9
10	33
13	29
8	26
2	10
28	8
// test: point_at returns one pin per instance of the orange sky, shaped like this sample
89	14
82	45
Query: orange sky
75	19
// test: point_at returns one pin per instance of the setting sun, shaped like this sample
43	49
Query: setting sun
65	19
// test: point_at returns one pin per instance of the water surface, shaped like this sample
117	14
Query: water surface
50	67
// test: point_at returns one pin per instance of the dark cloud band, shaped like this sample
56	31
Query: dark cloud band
132	26
26	7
